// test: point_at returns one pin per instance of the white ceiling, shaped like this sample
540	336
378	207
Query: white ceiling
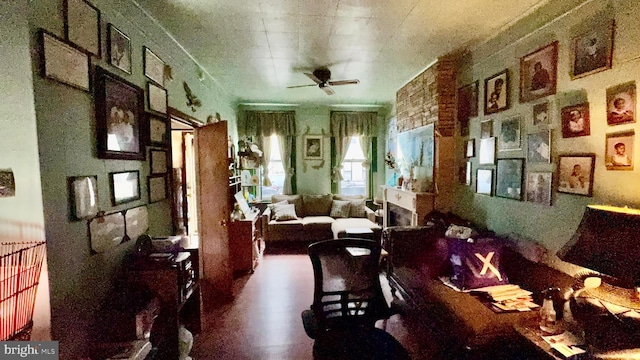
256	48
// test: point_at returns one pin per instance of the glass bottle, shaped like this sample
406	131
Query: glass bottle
548	315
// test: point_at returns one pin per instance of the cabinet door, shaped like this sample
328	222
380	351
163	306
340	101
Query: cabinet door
213	211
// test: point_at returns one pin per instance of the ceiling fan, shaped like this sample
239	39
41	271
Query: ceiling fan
321	77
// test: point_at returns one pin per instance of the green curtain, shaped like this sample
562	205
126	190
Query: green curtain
344	125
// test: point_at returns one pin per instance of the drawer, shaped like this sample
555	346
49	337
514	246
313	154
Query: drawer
404	199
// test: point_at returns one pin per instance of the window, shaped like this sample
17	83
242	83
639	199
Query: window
276	171
354	176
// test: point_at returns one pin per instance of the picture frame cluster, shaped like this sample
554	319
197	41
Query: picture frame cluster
515	157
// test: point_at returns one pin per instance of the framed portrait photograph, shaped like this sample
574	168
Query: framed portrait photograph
539	147
158	161
575	120
467	106
539	187
119	49
153	67
541	114
119	117
312	147
591	52
83	196
157	185
484	182
159	130
496	92
619	150
539	73
575	173
486	129
621	104
509	178
82	25
157	98
470	150
63	62
510	134
487	151
125	186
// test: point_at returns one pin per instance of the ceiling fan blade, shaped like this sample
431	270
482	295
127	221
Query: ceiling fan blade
344	82
299	86
327	89
313	77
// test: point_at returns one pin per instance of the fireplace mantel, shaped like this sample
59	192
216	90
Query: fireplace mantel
419	204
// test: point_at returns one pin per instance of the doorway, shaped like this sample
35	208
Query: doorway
184	177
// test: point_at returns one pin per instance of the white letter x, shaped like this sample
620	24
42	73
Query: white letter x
486	265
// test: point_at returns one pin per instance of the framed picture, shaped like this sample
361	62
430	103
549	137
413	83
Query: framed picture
621	103
539	73
619	149
159	130
125	186
313	147
539	147
486	129
539	187
541	114
496	92
153	67
119	48
468	174
484	182
7	183
83	196
471	148
575	120
63	62
157	98
592	51
467	106
509	137
509	178
158	161
157	185
487	151
575	174
82	25
119	117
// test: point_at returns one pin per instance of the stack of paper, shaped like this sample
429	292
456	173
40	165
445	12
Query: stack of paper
508	297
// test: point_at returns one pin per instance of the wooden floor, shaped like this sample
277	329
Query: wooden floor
263	320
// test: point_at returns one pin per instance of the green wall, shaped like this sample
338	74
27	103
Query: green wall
66	136
315	120
553	226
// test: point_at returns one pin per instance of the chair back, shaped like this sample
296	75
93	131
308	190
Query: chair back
347	290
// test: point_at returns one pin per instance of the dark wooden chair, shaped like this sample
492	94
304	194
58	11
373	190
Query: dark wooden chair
348	301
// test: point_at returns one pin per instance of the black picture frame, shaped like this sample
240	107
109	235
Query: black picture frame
159	133
120	117
157	188
153	66
496	92
158	161
509	178
157	98
119	49
82	25
64	62
124	186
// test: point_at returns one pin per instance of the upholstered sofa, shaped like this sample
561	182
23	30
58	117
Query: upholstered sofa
419	256
315	217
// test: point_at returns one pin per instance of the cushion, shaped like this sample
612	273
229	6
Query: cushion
340	208
357	209
272	205
476	264
347	197
285	212
317	205
291	199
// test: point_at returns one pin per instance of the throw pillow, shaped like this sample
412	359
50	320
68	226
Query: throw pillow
273	205
340	209
357	209
317	205
285	212
291	199
476	264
